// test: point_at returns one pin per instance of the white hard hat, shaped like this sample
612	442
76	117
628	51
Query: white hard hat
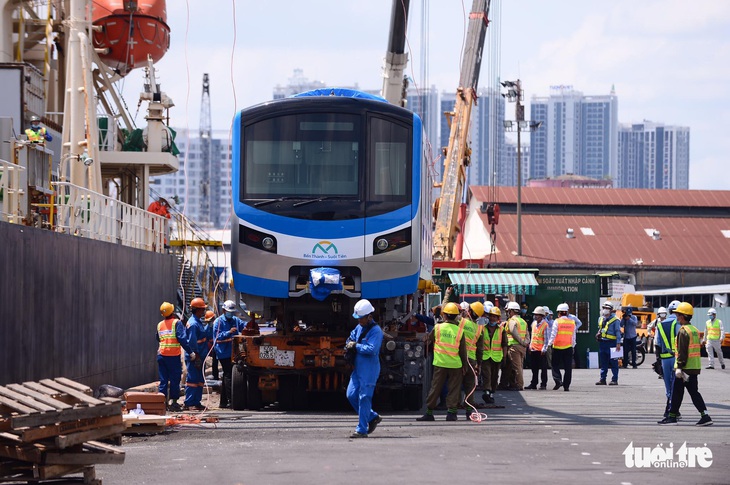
673	305
464	305
539	311
608	305
513	305
661	310
711	311
563	307
547	310
487	305
363	308
229	306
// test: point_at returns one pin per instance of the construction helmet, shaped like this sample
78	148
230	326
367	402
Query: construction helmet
685	309
495	311
464	305
451	309
563	307
363	308
229	306
513	305
197	303
34	118
661	310
539	311
477	308
547	310
673	305
712	311
166	309
209	315
608	305
487	305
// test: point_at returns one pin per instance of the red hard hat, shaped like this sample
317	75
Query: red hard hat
197	303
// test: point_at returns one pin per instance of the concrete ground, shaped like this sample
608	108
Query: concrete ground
548	436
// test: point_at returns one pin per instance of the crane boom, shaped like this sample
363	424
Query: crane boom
396	58
457	154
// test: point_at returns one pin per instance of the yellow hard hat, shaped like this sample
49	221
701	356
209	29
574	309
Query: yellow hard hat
451	309
495	311
685	309
166	309
477	308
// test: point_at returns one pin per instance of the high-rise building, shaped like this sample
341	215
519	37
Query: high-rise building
297	84
425	103
579	134
653	156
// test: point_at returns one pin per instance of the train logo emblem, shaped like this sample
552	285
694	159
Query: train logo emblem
325	247
325	250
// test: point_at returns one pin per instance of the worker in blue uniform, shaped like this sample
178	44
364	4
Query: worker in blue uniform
198	335
225	328
608	337
666	334
364	342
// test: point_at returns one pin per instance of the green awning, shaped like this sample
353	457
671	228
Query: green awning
494	283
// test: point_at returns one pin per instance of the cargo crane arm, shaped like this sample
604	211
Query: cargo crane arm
457	154
396	58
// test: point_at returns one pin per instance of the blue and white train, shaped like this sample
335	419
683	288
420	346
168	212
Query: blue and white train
334	179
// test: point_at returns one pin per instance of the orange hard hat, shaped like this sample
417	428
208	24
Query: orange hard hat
197	303
209	315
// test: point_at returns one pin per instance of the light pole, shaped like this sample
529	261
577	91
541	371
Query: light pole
516	95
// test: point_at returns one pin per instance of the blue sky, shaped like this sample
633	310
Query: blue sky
669	60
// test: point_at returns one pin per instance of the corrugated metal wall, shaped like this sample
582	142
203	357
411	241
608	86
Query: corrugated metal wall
79	308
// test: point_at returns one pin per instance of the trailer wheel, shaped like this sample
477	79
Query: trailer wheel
239	388
255	400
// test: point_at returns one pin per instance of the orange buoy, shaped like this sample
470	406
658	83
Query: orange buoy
130	31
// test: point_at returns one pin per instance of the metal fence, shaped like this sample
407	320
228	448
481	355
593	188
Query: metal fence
10	192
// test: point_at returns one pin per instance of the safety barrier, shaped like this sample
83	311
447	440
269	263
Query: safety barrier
83	212
10	192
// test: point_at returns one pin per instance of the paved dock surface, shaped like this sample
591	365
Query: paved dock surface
582	436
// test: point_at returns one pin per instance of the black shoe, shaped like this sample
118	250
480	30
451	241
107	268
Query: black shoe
679	416
542	388
722	365
566	389
358	435
451	417
670	420
532	386
613	383
174	407
705	420
557	386
426	417
635	366
374	423
602	382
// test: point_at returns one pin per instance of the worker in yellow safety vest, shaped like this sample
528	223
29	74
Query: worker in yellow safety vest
713	338
687	367
171	337
495	349
449	362
562	340
517	342
36	133
474	350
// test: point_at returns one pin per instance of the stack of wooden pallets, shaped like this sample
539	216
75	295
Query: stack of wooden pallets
50	429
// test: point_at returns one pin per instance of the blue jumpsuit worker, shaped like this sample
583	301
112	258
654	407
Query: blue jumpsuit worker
171	336
666	333
609	337
366	339
629	323
225	328
198	336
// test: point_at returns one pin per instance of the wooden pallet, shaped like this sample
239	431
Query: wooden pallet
145	424
50	428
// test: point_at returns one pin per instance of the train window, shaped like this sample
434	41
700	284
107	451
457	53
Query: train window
389	168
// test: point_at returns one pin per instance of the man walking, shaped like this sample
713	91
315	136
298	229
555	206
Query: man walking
562	339
449	363
665	343
688	365
713	338
629	323
365	341
609	337
171	336
474	351
195	358
538	349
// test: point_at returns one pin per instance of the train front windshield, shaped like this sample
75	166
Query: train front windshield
344	158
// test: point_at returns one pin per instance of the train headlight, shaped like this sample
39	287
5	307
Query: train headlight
382	244
390	345
391	242
267	243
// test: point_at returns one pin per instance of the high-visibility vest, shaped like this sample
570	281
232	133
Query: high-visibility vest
713	329
521	331
169	346
446	346
694	361
471	335
669	343
493	345
603	327
538	336
564	338
36	136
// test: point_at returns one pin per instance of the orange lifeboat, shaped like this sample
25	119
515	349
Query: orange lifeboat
130	31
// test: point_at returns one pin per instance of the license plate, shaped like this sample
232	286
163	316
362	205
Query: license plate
267	352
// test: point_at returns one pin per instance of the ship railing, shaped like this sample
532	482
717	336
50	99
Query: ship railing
83	212
11	192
